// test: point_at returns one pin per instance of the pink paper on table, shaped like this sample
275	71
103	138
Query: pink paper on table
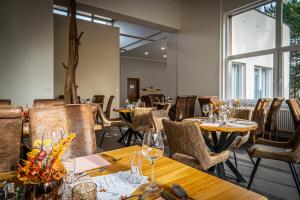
89	162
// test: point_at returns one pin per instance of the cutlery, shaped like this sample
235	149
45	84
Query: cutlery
102	169
167	196
180	192
132	196
144	196
113	159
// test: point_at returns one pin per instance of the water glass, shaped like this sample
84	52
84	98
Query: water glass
87	190
136	160
69	164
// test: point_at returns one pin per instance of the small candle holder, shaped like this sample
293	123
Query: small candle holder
87	190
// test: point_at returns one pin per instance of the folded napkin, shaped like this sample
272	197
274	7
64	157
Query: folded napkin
89	162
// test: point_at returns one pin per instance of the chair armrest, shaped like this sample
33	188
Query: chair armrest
218	158
272	143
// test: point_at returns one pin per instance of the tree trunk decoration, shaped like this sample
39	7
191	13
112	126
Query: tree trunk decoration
74	42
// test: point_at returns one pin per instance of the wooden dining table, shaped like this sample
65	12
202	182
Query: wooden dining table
223	135
199	185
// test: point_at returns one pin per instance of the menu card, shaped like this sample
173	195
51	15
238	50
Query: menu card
116	186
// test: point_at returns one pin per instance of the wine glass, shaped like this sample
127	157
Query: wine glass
205	110
153	149
69	163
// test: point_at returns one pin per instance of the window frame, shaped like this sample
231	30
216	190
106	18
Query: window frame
277	52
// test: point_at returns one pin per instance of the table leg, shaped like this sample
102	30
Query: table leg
129	137
238	175
124	136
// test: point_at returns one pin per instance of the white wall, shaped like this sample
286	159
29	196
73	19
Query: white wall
165	13
150	73
26	52
98	70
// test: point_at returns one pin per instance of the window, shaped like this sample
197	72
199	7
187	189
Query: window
238	80
266	39
262	78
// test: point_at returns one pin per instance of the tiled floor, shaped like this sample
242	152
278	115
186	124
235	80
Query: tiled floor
273	178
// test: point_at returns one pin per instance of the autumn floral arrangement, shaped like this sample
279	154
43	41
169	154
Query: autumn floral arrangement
216	106
42	167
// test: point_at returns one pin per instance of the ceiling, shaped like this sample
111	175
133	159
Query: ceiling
135	40
154	49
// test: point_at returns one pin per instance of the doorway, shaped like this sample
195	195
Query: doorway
133	89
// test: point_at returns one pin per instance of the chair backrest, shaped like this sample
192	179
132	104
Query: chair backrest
180	107
271	122
168	107
294	105
5	102
147	100
259	114
41	103
186	138
142	117
203	100
11	126
69	118
190	106
108	106
98	99
157	117
104	120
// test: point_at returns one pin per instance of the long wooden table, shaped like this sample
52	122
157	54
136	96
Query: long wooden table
199	185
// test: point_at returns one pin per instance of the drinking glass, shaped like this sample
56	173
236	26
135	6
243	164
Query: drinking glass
205	110
69	164
153	149
136	160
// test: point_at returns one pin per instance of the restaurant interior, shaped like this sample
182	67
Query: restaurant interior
150	100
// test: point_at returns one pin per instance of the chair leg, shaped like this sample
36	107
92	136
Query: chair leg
276	135
103	135
295	176
253	173
120	128
249	155
235	160
253	139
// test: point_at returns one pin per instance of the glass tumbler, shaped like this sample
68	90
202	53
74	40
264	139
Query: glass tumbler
136	160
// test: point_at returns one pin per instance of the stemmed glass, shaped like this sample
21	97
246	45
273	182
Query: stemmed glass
153	149
205	110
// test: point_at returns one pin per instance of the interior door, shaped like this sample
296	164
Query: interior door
133	89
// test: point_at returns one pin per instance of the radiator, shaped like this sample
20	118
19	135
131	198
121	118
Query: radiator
285	121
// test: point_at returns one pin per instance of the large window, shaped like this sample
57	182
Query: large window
266	39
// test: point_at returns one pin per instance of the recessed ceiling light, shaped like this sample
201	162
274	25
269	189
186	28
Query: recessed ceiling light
146	52
162	48
165	56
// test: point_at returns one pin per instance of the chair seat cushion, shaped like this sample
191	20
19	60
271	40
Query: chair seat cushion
275	153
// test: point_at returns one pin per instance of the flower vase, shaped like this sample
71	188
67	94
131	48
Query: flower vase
43	191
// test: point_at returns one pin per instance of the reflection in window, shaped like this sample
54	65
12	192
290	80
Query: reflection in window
237	80
262	78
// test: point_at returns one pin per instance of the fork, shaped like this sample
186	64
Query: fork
102	169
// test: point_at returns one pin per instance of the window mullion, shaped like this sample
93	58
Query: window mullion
278	72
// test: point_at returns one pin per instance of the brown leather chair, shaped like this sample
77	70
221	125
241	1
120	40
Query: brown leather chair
69	118
147	100
206	100
190	107
157	117
259	115
108	106
180	107
99	99
187	145
294	105
41	103
11	126
283	151
271	123
5	102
